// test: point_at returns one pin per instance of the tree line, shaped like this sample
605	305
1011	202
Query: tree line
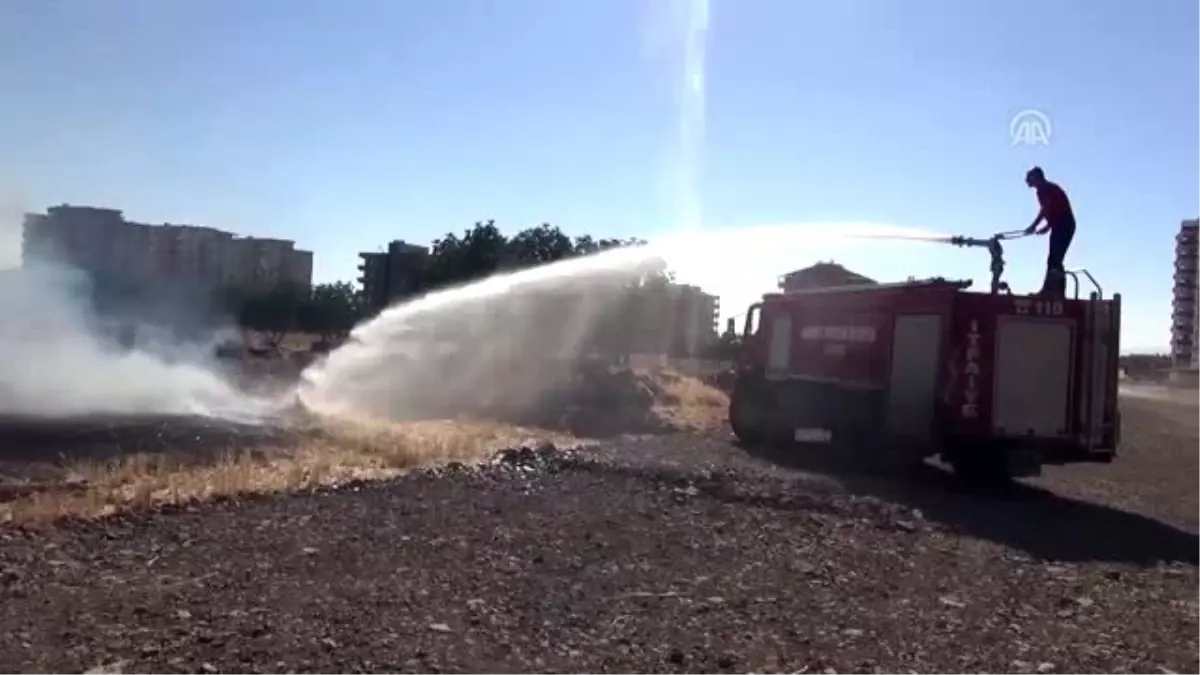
484	250
333	309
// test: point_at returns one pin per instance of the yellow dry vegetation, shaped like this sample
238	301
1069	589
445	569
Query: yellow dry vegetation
687	403
328	452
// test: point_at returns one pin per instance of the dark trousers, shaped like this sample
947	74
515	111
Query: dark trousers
1061	233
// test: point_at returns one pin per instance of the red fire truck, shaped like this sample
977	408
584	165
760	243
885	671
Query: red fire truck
995	384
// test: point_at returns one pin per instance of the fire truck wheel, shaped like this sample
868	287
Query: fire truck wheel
744	420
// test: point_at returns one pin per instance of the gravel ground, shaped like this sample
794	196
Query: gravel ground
655	554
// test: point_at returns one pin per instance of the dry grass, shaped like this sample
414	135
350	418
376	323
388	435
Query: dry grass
326	453
687	403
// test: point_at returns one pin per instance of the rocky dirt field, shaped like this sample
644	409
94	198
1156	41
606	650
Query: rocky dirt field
665	553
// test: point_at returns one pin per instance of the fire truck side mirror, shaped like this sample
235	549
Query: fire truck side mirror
751	324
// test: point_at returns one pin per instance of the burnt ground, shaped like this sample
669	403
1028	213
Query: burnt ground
34	451
646	554
100	438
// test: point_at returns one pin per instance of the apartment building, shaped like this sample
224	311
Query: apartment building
695	319
85	237
1184	296
253	262
390	275
101	242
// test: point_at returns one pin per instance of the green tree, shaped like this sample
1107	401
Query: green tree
331	311
272	313
482	250
586	245
539	245
456	260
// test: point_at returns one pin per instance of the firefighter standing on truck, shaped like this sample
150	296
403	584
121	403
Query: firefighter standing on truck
1060	223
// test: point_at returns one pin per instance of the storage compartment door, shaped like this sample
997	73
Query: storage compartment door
1099	332
779	350
1032	376
912	384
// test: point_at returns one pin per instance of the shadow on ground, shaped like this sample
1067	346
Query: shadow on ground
1021	516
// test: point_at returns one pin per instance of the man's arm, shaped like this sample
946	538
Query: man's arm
1040	217
1042	199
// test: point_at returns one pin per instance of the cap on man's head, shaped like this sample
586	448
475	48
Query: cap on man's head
1035	173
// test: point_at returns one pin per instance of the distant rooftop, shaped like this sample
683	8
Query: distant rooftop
117	214
822	275
73	207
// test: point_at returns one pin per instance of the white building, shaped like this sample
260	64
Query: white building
263	264
99	240
1184	313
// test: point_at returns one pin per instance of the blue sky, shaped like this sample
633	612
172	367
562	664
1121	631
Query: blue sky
345	124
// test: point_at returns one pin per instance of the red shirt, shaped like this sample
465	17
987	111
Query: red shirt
1055	205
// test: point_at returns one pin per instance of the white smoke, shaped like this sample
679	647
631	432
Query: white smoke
10	231
503	346
55	361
